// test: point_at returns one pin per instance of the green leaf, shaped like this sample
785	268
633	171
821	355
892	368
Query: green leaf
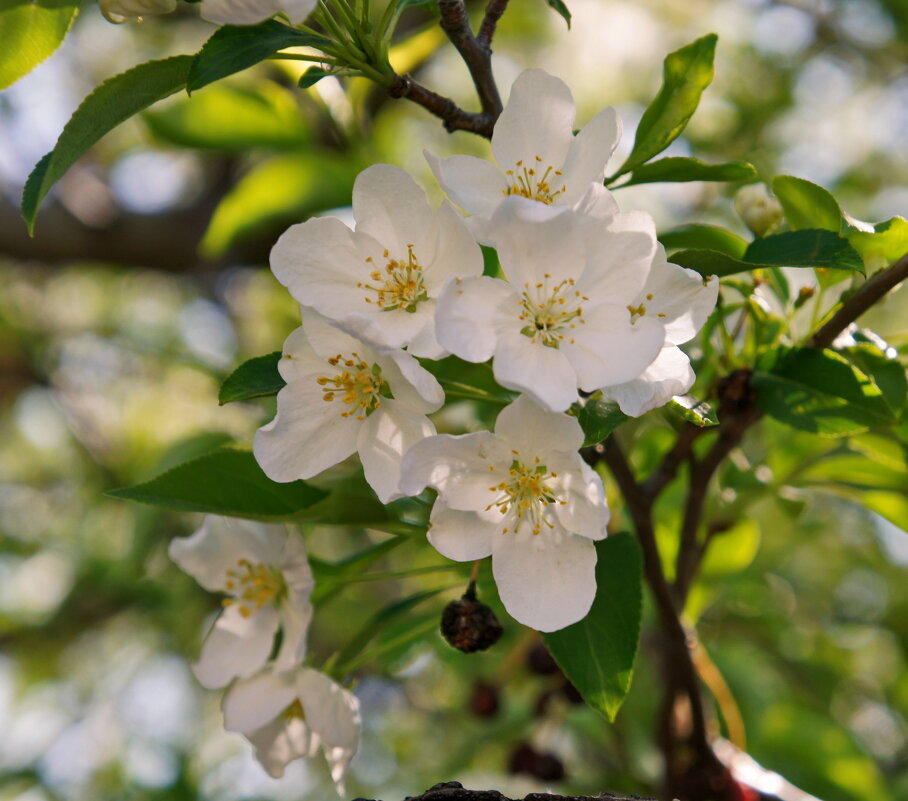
255	378
106	107
225	482
276	193
685	74
705	237
887	373
808	248
598	418
30	32
698	412
678	169
233	119
732	550
597	653
312	76
884	242
234	48
807	205
562	9
818	391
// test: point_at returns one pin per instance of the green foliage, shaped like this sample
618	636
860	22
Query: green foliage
819	391
30	32
233	48
704	237
225	482
562	9
808	248
113	102
695	411
312	76
598	418
886	241
807	205
233	119
686	73
887	373
597	653
680	169
255	378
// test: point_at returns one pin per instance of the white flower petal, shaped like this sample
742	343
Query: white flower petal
236	646
253	703
537	121
298	358
589	152
327	339
219	544
543	373
470	314
282	741
410	382
609	349
239	12
669	375
295	611
476	185
682	299
597	202
390	206
306	436
461	536
585	512
456	466
394	328
387	434
297	10
535	431
456	253
618	258
425	345
122	10
546	581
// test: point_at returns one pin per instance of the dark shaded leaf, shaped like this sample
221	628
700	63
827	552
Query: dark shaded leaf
598	417
887	373
255	378
562	9
312	76
597	654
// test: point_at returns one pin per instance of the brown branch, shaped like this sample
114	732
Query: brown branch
455	791
453	116
866	296
671	463
494	10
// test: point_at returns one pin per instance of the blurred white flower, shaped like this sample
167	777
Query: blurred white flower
251	12
562	319
383	278
293	714
264	572
760	210
523	495
537	153
680	300
123	10
345	395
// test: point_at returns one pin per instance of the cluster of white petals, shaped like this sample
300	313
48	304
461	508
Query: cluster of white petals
524	496
287	711
221	12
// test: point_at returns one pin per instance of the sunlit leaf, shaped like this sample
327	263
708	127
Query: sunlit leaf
597	654
695	411
885	242
106	107
225	482
255	378
807	205
818	391
680	169
887	373
704	237
732	550
30	32
686	73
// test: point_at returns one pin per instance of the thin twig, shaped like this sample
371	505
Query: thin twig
494	10
453	116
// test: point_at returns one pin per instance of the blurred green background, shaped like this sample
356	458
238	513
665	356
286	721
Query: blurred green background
145	285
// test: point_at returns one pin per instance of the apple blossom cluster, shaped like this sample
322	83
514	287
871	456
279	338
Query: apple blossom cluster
587	303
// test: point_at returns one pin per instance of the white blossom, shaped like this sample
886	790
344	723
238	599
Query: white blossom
292	714
564	317
124	10
538	157
251	12
523	495
264	572
345	395
679	300
381	279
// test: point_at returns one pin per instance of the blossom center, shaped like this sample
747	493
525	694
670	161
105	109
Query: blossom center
400	286
639	310
534	182
253	585
357	384
525	493
551	310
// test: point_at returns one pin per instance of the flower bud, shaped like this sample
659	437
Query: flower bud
540	661
485	701
760	210
540	765
469	625
123	10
